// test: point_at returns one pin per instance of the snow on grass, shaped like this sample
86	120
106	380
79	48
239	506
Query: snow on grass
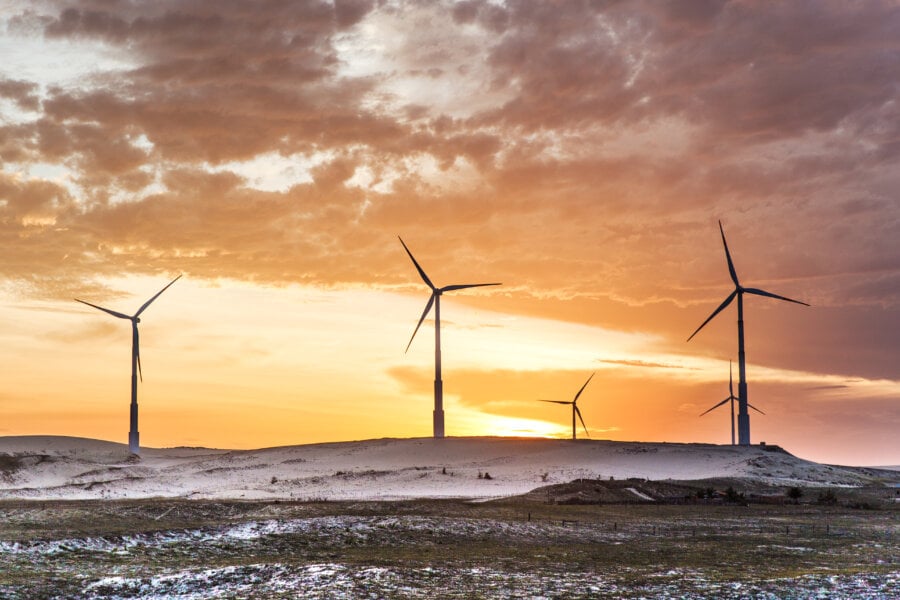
333	580
331	530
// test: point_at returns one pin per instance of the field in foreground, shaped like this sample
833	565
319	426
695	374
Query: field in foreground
512	548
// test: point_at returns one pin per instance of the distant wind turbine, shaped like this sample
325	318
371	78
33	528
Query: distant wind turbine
435	299
732	398
133	435
739	291
574	403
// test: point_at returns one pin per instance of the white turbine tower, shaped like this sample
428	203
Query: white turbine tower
731	397
575	410
133	436
739	291
435	299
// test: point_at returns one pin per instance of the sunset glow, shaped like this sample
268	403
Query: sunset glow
272	153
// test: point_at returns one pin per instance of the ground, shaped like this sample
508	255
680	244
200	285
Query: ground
531	546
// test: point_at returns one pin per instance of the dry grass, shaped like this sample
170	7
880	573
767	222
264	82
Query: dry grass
65	548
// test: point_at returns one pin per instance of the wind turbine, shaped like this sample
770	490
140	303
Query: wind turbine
435	299
133	436
739	291
574	403
732	398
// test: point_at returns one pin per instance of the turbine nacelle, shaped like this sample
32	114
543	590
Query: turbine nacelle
435	291
739	290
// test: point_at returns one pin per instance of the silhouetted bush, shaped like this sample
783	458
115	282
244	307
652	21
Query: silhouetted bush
706	494
734	497
794	494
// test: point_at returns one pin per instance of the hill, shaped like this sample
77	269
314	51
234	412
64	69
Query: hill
65	468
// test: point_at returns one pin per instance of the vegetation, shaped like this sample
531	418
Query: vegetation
795	493
56	549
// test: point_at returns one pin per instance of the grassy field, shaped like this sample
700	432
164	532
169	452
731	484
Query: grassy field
425	549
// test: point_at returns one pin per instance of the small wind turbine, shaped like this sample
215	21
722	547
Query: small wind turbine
739	291
133	436
732	398
435	299
574	404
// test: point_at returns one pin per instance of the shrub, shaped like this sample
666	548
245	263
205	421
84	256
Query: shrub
795	493
734	497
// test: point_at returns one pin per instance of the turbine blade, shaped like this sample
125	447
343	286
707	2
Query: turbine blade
716	406
137	349
556	401
106	310
756	409
715	312
730	381
450	288
147	303
731	270
419	324
580	418
582	387
771	295
416	263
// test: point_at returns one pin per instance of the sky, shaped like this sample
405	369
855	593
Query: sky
581	153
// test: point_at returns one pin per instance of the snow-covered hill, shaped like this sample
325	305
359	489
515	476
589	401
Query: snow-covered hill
44	467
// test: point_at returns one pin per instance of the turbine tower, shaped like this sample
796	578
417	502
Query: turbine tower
732	398
739	291
133	436
435	299
574	403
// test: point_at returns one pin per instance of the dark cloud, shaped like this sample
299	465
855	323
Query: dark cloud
23	93
221	81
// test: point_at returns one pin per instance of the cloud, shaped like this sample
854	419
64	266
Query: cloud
642	364
580	152
98	330
20	92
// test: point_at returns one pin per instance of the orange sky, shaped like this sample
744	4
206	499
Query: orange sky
582	155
